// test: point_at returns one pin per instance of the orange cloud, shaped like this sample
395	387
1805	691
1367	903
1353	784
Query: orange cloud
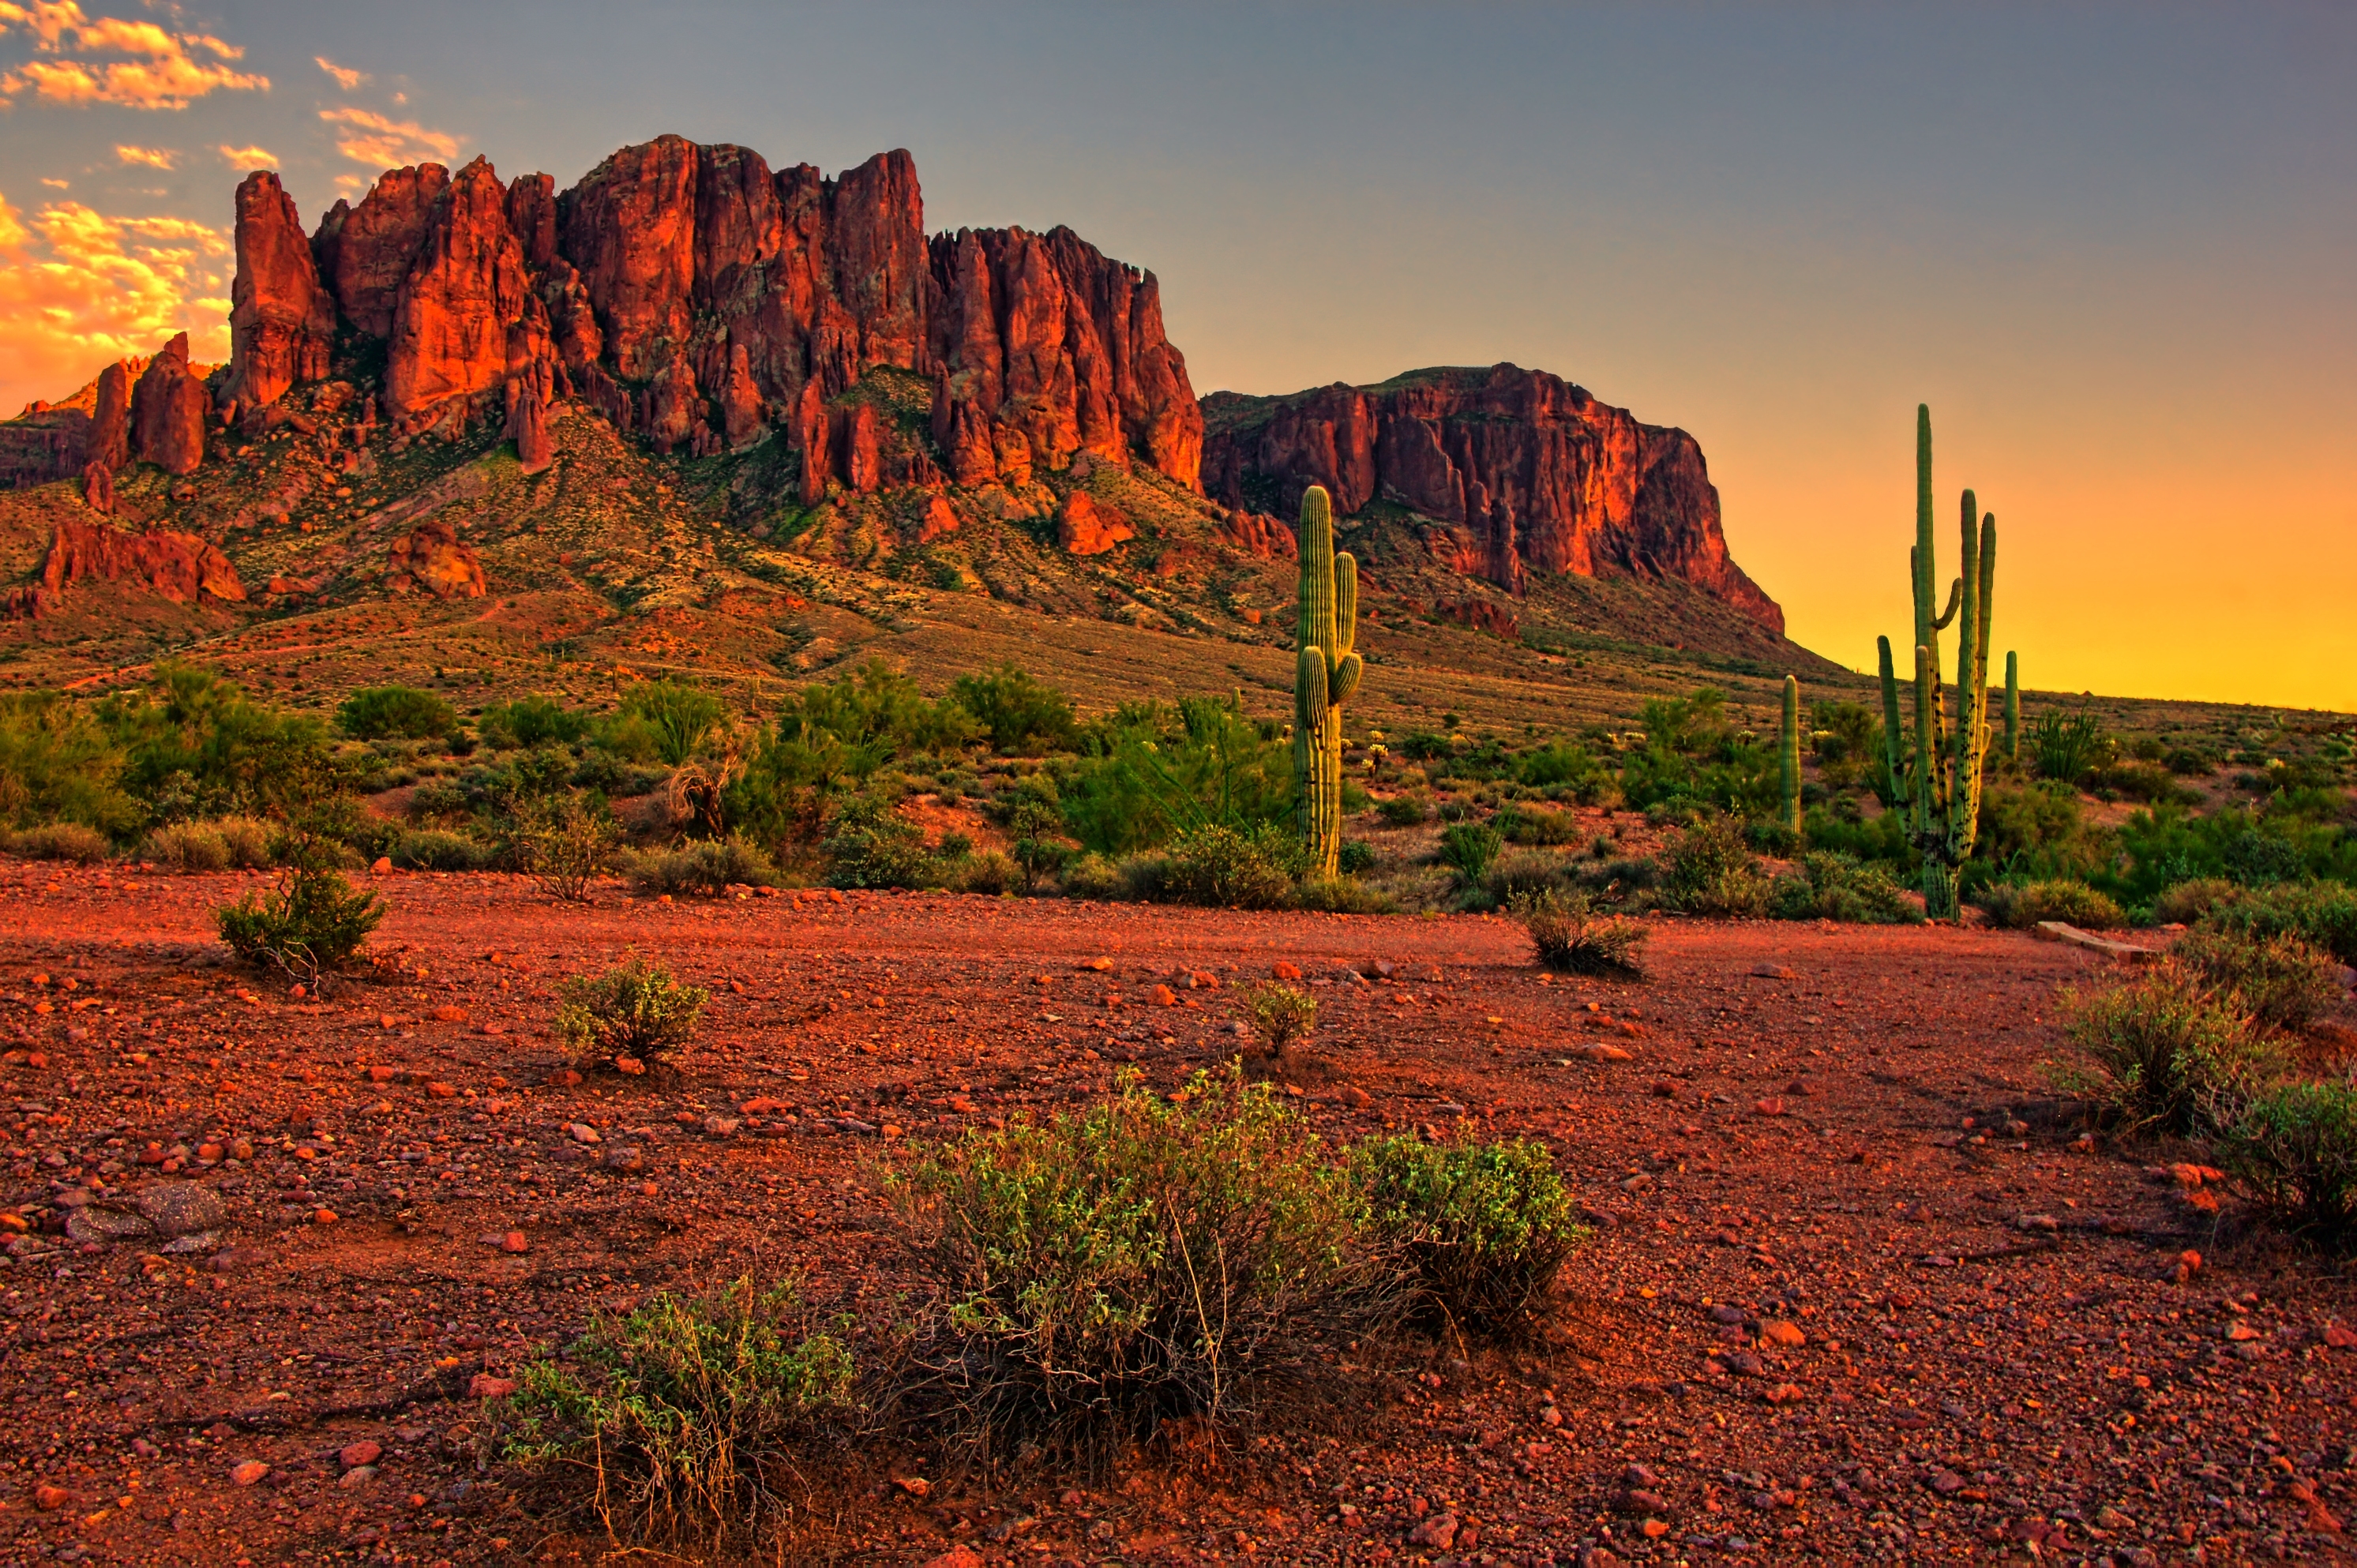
154	157
346	77
163	72
80	289
247	157
380	142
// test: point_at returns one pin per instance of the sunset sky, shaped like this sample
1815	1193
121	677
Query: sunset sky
2114	246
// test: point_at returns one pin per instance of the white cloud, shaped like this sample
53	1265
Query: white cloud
154	157
380	142
164	70
247	157
346	77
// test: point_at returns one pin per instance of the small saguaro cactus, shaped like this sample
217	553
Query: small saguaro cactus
1789	753
1936	781
2013	707
1325	672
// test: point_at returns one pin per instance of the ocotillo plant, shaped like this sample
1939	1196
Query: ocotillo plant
1937	781
2013	707
1326	672
1790	752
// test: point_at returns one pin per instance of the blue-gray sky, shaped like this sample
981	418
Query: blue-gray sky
2111	244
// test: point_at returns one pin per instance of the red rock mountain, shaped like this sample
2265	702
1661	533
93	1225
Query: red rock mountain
1527	468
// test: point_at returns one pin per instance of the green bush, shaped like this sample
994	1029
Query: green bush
991	873
2165	1051
2281	981
680	717
564	844
1280	1015
1342	896
1020	714
869	844
2295	1144
1356	858
1468	848
2018	906
2322	913
1712	871
1572	938
670	1423
1141	1260
1484	1227
1224	868
59	763
707	867
253	845
636	1011
530	723
185	846
1537	825
2188	901
1835	887
313	922
1094	878
1521	872
1404	811
431	849
63	841
2067	745
394	712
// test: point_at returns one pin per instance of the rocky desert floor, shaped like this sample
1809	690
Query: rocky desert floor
1858	1290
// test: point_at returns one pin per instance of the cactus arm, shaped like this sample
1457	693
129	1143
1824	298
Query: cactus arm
1345	679
1894	739
1972	692
1346	609
1927	753
2013	707
1921	561
1789	753
1956	593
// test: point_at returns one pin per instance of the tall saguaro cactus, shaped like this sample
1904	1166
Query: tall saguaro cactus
1937	780
1325	672
2013	707
1788	754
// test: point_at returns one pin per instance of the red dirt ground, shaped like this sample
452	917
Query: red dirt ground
1949	1338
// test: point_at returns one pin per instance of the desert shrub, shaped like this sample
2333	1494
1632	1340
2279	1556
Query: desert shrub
667	1423
394	712
1694	761
1343	895
1131	1264
1572	769
2295	1144
2138	781
59	763
1095	878
564	844
2322	913
2281	981
678	717
1537	825
63	841
991	873
431	849
1019	713
312	922
636	1010
1522	872
1356	858
1483	1226
708	867
252	844
2021	904
1712	871
1572	938
2067	745
1226	869
870	844
1280	1015
530	723
2188	901
1468	848
1036	820
185	846
1404	811
2165	1051
1835	887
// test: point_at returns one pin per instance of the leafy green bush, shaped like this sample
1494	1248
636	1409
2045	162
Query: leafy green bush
675	1416
2281	981
869	844
1356	858
1572	769
1342	896
1138	1261
1520	873
2296	1146
251	846
991	873
564	843
2018	906
1153	772
394	712
530	723
1484	1227
708	867
185	846
1712	871
1095	878
636	1011
1020	714
1835	887
680	717
1404	811
1537	825
2188	901
2165	1051
2067	745
1224	868
1695	761
1280	1015
59	763
313	922
62	840
2321	914
1572	938
431	849
1468	848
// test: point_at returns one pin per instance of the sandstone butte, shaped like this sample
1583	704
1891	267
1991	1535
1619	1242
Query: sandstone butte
703	301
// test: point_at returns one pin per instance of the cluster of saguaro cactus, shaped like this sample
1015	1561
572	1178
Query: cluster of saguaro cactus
1789	752
1936	781
1325	672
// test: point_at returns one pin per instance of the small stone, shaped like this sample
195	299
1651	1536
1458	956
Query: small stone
1603	1053
484	1386
1947	1483
1163	996
2036	1222
564	1078
514	1241
1744	1364
449	1013
581	1132
624	1157
1101	965
1771	972
354	1454
1770	1107
381	865
1786	1335
323	1217
2240	1330
721	1126
250	1472
1784	1393
960	1556
358	1475
631	1067
1284	970
914	1485
1440	1533
50	1498
2338	1338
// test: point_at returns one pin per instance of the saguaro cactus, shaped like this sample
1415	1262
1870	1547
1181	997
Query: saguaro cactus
2013	707
1937	780
1325	672
1789	754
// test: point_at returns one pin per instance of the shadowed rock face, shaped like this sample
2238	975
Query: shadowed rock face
1530	467
167	412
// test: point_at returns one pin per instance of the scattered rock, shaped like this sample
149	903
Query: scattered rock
250	1472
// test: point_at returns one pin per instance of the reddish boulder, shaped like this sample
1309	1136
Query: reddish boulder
527	426
167	412
98	488
1257	534
110	422
467	287
1086	526
939	519
366	252
281	324
178	566
1530	467
431	558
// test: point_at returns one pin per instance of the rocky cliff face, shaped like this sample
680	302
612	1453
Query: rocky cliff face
178	566
1522	467
696	297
